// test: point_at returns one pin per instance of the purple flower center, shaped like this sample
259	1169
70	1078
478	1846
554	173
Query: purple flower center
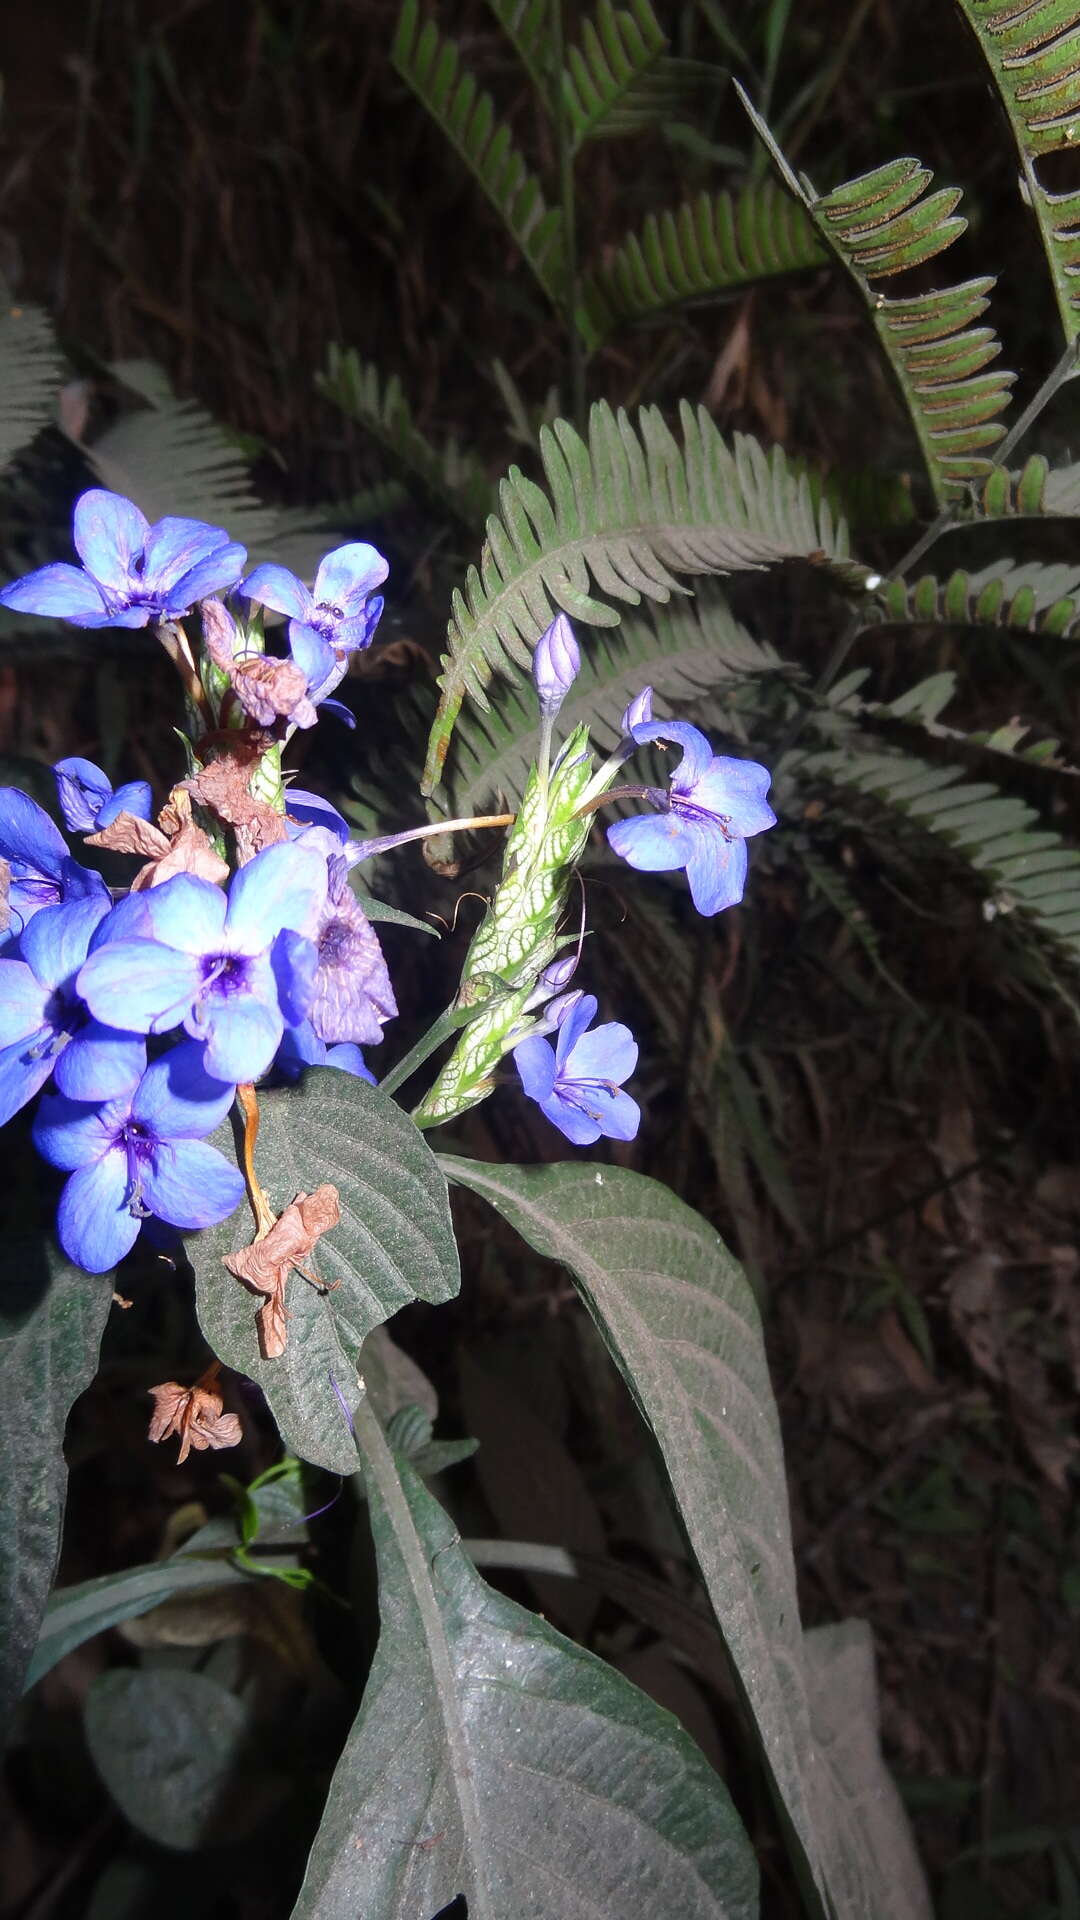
336	943
328	620
138	1144
688	809
225	974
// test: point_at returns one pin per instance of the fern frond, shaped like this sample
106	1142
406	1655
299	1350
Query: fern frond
1024	867
827	881
626	512
432	66
525	23
30	376
1037	489
455	478
680	650
1033	52
707	246
618	80
882	224
1033	598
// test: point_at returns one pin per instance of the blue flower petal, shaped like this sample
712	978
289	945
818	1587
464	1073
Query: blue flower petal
100	1063
110	534
82	790
175	545
607	1053
737	789
56	941
294	960
94	1222
339	710
70	1134
219	572
177	1099
580	1128
284	886
697	752
129	920
61	591
191	1185
716	872
28	835
188	913
348	1058
148	986
653	842
277	588
311	810
572	1025
534	1059
242	1037
312	653
620	1115
23	1070
23	1000
135	797
134	616
347	576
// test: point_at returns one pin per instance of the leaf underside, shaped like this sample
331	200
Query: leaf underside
30	375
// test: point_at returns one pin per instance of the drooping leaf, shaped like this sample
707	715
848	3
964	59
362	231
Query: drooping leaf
169	1746
626	513
30	375
704	247
52	1317
494	1759
1033	53
844	1717
681	1322
395	1244
453	477
433	67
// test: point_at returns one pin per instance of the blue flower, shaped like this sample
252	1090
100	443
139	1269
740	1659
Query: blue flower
577	1082
301	1047
335	618
304	810
42	870
713	806
132	572
556	665
46	1028
139	1155
87	800
234	972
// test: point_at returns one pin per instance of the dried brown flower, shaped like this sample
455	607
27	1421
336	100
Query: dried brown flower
195	1415
265	1265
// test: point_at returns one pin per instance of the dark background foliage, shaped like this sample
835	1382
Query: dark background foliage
884	1126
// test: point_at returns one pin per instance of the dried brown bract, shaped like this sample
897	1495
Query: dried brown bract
175	845
195	1415
223	787
265	1265
267	688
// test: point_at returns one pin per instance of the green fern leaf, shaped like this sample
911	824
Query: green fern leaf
1037	489
1028	599
1033	52
1024	867
526	24
681	650
706	246
432	66
882	224
30	376
626	513
620	78
827	881
455	478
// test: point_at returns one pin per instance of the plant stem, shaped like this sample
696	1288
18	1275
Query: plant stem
565	155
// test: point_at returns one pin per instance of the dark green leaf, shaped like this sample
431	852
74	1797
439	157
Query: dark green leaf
494	1759
680	1319
395	1244
51	1320
169	1746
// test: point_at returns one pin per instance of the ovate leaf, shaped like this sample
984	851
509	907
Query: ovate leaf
168	1745
52	1317
681	1322
395	1244
494	1759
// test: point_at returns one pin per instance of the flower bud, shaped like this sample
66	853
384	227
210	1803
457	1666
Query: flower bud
638	713
556	664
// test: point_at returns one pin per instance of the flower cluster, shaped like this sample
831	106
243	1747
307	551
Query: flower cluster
239	949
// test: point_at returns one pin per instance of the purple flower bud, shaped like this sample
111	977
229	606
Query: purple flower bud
558	974
556	665
638	713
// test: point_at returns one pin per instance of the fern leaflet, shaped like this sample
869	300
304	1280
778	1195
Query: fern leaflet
1029	599
620	79
706	246
1033	52
30	376
455	478
625	512
525	23
433	68
882	224
1038	488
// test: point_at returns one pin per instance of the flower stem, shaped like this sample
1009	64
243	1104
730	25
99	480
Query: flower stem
265	1217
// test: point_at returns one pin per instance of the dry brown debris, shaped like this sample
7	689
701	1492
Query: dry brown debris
265	1265
195	1414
